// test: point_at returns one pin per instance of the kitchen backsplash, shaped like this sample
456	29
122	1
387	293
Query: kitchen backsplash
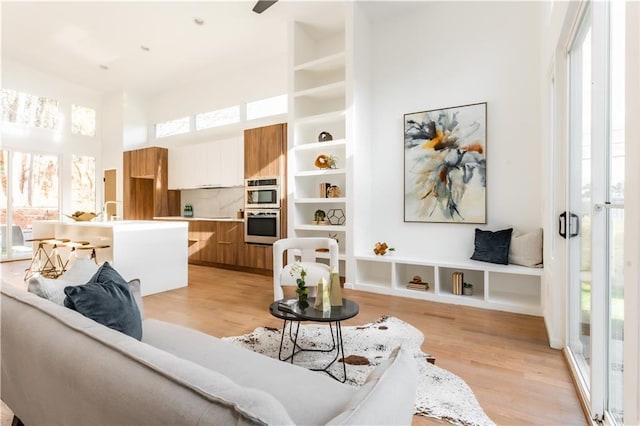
214	202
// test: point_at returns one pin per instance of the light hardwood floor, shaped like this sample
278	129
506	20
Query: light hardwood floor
505	358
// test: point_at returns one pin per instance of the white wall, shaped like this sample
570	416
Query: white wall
447	54
220	86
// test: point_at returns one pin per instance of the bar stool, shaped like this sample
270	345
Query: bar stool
93	248
53	265
74	245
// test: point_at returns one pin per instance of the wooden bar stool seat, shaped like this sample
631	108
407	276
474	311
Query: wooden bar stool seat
93	248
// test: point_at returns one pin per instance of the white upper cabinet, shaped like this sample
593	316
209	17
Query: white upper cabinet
207	165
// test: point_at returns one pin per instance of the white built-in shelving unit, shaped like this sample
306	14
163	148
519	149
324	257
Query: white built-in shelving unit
503	287
318	104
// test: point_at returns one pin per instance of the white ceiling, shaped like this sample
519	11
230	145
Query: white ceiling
72	40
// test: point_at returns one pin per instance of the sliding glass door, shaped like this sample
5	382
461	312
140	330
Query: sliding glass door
594	220
30	191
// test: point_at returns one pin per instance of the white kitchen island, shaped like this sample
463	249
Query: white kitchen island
154	252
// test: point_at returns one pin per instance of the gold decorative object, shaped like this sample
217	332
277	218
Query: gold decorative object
324	161
380	248
334	191
82	216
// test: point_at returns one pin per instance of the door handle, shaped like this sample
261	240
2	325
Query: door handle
573	225
577	222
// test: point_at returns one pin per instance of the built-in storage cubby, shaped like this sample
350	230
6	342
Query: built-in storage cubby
509	288
406	272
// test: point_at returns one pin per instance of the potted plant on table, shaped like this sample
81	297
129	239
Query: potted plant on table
302	290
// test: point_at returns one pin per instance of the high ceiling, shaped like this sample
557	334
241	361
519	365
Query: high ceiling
77	40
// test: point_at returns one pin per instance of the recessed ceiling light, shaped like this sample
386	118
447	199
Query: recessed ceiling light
198	21
145	48
104	67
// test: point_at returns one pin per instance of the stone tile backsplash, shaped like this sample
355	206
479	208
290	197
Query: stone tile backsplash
214	202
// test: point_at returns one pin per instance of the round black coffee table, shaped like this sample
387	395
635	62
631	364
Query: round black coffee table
334	317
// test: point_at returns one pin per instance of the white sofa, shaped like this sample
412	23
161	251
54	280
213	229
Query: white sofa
61	368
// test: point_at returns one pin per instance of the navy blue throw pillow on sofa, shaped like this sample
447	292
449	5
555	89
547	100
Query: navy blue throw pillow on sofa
492	246
106	299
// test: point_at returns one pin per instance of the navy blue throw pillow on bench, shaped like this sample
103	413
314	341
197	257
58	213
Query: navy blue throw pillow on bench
106	299
492	246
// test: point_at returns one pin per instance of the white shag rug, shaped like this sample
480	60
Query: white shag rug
441	394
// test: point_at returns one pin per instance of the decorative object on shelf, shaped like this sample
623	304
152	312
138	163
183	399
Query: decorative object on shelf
319	217
336	217
467	289
445	155
334	191
492	246
416	283
456	283
324	189
325	137
324	161
380	248
188	210
79	216
302	290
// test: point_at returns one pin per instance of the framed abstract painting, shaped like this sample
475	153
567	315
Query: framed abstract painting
445	159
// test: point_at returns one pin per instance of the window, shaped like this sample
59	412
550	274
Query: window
83	120
217	118
173	127
30	110
83	183
266	107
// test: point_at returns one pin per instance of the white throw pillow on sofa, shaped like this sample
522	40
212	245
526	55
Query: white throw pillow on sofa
49	289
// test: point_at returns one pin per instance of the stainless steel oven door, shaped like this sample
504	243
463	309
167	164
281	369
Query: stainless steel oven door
262	226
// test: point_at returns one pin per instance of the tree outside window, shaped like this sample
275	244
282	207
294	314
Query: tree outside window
83	183
83	120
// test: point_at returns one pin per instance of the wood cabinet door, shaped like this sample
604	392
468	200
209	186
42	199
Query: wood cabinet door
264	149
230	242
258	256
143	163
202	241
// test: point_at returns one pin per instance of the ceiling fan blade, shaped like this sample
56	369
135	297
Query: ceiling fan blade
262	5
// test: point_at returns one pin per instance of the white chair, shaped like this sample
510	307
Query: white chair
304	251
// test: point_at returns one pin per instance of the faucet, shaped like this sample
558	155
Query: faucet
104	209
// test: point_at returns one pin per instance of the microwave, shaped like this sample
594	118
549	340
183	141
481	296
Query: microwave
261	226
262	193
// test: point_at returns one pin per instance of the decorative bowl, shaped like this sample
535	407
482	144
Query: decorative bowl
82	216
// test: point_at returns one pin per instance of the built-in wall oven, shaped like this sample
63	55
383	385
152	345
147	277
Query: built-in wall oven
262	210
262	226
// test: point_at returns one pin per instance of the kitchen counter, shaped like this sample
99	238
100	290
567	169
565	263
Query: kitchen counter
217	219
155	252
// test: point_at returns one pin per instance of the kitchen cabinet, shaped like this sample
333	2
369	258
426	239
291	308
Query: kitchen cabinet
204	236
206	165
264	151
259	256
145	179
230	243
